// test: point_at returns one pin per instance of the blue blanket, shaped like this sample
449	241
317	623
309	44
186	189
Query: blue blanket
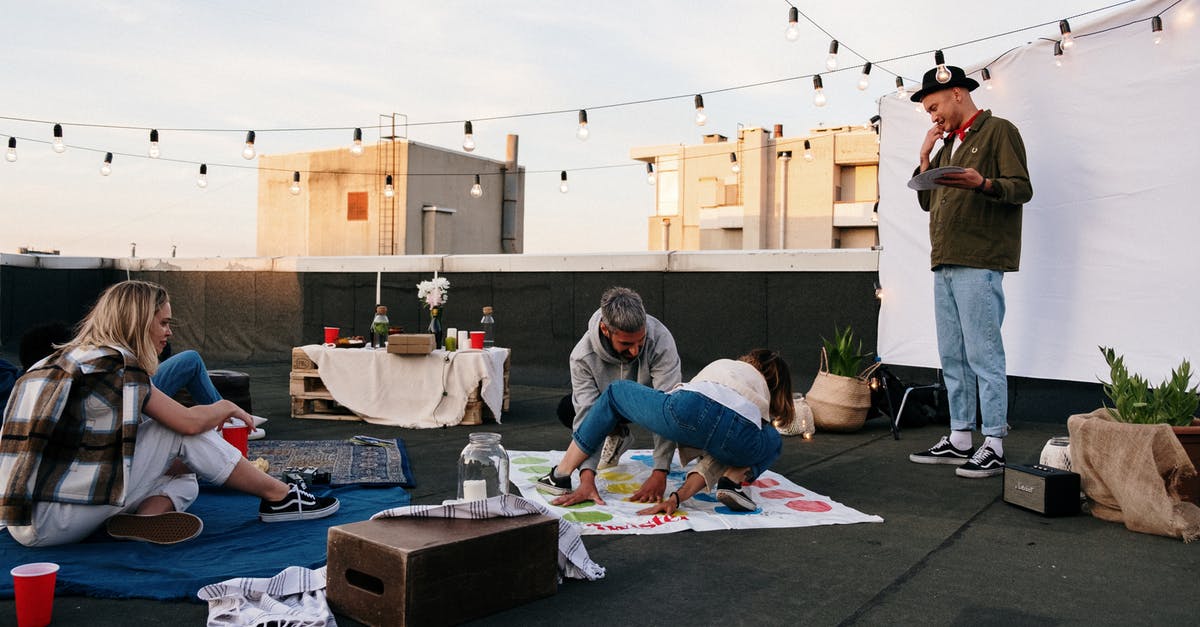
234	543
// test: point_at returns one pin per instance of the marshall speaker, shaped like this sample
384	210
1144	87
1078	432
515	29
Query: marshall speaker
1045	490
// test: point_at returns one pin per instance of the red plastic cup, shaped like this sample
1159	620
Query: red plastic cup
238	436
331	335
477	339
33	587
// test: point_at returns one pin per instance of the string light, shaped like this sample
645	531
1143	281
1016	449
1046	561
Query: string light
1068	41
831	63
468	137
202	179
1156	27
248	152
153	152
808	155
876	124
388	190
818	91
11	155
476	189
701	117
987	78
295	188
562	185
864	81
943	74
733	163
356	147
583	132
1058	54
900	87
792	32
106	169
650	178
58	144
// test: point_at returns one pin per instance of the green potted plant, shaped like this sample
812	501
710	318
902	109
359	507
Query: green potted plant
840	396
845	358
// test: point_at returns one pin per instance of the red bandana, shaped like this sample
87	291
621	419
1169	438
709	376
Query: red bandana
961	132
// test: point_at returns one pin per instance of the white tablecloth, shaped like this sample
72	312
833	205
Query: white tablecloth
412	391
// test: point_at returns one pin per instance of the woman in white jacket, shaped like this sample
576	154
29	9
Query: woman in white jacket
725	412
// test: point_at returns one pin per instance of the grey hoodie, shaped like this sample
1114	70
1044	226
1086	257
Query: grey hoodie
594	366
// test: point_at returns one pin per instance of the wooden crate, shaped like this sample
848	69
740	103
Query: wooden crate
310	398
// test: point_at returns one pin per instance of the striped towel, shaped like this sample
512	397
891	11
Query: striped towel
293	598
573	560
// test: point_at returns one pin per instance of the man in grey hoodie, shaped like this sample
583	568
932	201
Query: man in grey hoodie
622	342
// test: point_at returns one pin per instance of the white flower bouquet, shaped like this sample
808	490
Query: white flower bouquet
434	293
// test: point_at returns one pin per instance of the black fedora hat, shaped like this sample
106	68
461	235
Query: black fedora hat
930	84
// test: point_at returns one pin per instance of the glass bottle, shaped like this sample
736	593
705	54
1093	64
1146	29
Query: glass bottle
482	468
435	326
379	327
488	325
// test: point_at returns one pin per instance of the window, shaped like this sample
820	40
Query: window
356	206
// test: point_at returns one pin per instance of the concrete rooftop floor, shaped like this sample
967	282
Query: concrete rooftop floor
950	551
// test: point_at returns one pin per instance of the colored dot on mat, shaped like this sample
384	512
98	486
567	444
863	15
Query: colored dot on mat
780	494
622	488
721	509
616	476
529	459
809	506
765	483
583	505
704	496
535	470
587	517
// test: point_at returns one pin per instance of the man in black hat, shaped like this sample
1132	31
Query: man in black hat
975	237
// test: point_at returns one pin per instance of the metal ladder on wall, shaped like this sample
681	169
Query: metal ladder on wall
386	157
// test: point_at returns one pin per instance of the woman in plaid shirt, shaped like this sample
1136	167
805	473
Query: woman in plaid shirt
87	439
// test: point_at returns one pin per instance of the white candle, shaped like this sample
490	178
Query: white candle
474	490
378	281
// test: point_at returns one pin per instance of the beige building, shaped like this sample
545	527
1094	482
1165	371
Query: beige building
343	207
763	192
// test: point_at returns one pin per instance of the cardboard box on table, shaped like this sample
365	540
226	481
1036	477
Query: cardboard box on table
439	571
410	343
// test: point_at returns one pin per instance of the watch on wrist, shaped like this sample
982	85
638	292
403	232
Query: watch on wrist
982	188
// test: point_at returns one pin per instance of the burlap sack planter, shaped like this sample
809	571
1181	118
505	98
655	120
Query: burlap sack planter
840	403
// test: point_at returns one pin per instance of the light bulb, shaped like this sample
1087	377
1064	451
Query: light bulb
733	163
792	32
650	178
388	190
106	169
476	189
1068	41
818	91
864	81
900	88
562	186
701	118
295	188
202	179
987	78
153	152
248	152
831	62
808	155
1156	28
1058	54
468	137
356	147
11	155
943	73
58	144
583	132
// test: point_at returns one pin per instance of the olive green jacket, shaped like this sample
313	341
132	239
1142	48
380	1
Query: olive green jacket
970	228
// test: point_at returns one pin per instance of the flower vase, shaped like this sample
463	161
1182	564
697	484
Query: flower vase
435	326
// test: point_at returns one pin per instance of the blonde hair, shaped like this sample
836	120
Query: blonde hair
779	381
123	316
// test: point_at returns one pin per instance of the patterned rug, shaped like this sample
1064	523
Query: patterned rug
383	463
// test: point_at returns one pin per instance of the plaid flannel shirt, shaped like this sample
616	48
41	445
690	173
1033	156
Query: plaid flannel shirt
69	431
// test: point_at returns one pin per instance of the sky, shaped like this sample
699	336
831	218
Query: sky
231	66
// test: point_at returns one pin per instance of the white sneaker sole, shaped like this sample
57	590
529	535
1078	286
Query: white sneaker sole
308	514
927	459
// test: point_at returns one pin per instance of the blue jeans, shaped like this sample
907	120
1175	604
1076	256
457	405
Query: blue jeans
186	370
686	418
969	307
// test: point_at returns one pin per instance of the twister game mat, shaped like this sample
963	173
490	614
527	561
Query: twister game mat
781	503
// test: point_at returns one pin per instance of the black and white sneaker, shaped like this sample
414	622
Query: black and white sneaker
942	453
984	463
299	504
615	446
731	496
550	484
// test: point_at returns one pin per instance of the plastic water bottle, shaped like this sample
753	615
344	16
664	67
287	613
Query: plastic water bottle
488	325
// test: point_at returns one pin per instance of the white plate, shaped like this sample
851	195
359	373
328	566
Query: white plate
924	180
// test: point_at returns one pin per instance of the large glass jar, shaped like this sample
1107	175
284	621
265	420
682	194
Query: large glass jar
482	468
